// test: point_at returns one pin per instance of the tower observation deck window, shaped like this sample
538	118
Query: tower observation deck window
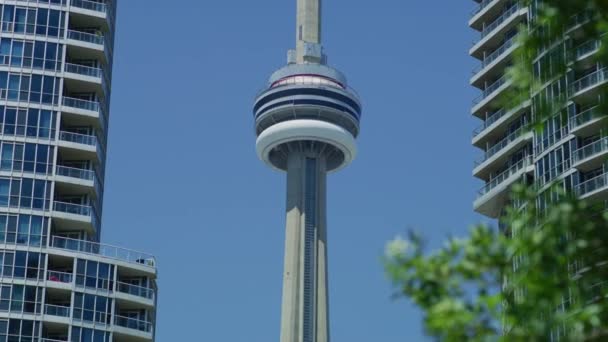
307	80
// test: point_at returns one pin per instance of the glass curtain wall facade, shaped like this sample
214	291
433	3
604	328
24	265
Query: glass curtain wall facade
57	281
571	151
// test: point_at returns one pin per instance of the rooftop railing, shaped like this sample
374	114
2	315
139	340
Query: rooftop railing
591	185
135	290
506	15
103	250
494	182
584	117
589	81
133	323
503	143
590	150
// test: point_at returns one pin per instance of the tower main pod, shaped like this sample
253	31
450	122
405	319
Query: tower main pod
306	123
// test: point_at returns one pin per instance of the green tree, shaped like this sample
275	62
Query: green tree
544	273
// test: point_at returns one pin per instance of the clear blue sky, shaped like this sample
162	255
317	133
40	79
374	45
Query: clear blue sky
184	182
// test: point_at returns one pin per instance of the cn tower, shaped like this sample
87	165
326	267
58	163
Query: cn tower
306	121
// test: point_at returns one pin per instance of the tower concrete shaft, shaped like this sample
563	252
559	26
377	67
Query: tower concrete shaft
308	31
305	297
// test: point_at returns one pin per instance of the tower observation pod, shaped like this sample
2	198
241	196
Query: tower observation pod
306	122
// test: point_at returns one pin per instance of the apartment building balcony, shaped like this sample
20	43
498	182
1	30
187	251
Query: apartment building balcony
494	195
127	294
484	11
86	79
81	112
78	146
75	181
584	54
496	124
489	95
494	64
85	45
126	327
594	189
587	87
498	154
130	260
95	13
75	217
591	156
588	122
493	34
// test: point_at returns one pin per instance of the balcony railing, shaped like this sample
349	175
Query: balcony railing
86	37
494	182
135	290
83	70
90	5
71	208
503	143
103	250
133	323
489	90
56	310
481	6
73	172
592	185
496	54
587	48
590	150
489	121
584	117
60	277
81	104
504	17
589	81
78	138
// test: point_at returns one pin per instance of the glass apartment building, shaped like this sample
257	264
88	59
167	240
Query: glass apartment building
57	281
571	151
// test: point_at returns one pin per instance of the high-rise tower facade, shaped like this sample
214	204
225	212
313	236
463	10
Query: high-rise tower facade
57	281
306	122
571	150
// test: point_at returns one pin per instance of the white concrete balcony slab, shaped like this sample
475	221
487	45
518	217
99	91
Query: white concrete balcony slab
70	216
498	154
127	294
591	156
74	181
488	97
495	194
84	45
83	112
588	122
594	189
80	146
587	87
133	328
493	34
494	64
484	11
497	124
